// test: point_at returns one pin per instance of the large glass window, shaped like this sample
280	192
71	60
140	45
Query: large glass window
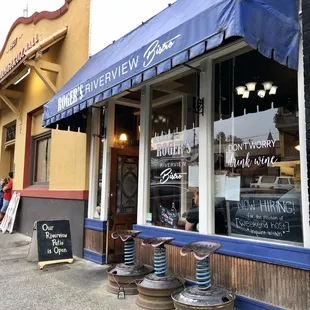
256	150
174	193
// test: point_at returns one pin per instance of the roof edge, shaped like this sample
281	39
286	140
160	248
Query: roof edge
35	18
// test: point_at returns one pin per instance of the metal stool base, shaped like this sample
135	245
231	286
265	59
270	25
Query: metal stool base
126	276
155	292
193	297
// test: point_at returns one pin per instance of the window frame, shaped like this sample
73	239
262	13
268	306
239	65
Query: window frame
206	66
208	92
34	142
8	126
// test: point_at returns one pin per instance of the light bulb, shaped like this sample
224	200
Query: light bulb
261	93
123	137
251	86
246	94
267	85
273	90
240	90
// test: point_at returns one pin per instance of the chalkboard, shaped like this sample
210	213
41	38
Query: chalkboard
54	241
274	216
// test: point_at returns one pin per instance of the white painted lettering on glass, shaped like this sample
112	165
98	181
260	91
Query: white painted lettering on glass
167	175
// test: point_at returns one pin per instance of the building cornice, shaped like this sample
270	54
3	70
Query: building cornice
35	18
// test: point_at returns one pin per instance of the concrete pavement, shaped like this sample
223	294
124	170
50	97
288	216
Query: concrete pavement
78	286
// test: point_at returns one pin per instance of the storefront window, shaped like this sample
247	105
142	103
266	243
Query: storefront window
174	193
256	150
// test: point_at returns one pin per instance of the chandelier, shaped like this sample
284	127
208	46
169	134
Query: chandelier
268	88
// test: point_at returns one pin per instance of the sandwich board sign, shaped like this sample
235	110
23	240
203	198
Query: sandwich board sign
54	242
8	220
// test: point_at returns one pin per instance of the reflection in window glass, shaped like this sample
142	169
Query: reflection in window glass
174	193
256	139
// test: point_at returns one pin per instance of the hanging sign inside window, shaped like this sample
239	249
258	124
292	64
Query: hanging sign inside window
232	189
169	217
267	216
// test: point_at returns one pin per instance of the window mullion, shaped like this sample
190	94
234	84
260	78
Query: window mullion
206	157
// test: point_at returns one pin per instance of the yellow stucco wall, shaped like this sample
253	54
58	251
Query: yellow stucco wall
6	118
36	127
71	53
73	161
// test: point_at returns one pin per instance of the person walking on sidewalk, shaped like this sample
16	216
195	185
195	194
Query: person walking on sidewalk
7	189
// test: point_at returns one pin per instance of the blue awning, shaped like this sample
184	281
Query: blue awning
184	30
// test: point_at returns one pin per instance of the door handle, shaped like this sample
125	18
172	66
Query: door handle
111	222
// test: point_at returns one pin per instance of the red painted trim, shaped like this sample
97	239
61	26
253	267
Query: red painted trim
35	18
44	192
27	151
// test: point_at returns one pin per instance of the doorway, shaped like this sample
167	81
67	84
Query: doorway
123	199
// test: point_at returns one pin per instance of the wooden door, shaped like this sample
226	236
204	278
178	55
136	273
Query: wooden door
123	198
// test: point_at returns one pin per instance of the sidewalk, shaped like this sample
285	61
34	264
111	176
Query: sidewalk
80	285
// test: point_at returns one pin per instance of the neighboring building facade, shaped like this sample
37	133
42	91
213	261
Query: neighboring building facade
41	53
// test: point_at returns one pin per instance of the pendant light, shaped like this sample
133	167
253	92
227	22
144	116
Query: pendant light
267	85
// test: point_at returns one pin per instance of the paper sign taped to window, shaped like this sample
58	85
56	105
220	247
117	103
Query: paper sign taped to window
193	176
232	191
220	185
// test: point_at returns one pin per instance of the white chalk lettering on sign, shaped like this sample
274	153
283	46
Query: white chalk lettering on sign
59	251
49	235
58	245
45	227
284	227
167	175
57	242
271	206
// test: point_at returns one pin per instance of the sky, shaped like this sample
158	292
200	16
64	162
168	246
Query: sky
249	126
14	9
121	16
